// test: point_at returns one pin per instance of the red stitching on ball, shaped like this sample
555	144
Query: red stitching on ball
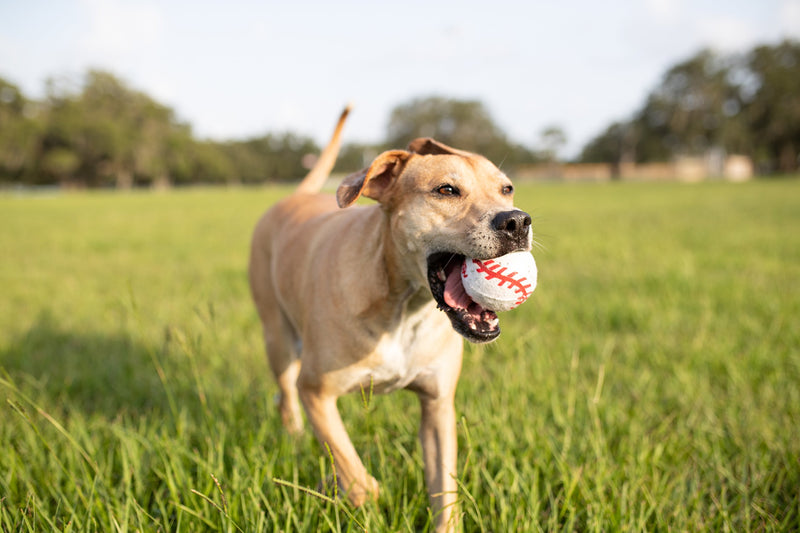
493	270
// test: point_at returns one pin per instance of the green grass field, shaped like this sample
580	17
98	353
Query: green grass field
652	383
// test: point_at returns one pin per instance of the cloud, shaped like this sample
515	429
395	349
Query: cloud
789	22
119	28
665	10
727	34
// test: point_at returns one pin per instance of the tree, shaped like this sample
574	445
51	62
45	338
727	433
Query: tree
746	104
616	145
551	139
772	94
692	109
354	156
120	136
97	131
272	157
463	124
19	132
62	164
208	162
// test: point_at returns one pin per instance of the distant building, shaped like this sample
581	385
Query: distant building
714	165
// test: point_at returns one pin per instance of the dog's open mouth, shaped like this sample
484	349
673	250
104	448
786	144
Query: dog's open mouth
469	319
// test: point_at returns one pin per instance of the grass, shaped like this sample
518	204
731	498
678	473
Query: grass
652	383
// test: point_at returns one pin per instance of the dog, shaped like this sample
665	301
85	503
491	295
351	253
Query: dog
369	297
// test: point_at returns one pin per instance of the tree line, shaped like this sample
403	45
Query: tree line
746	103
102	133
99	132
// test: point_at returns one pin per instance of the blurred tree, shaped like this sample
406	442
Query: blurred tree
772	96
120	136
283	155
208	162
355	156
463	124
608	146
61	163
160	144
273	157
99	132
551	140
746	104
691	111
616	145
19	132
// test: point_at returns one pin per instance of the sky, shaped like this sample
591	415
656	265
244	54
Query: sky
238	69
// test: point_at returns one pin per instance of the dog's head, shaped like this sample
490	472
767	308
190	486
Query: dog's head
444	205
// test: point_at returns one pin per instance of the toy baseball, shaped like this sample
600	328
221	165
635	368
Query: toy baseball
502	283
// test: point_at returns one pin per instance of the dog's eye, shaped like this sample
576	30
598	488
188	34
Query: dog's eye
447	190
508	189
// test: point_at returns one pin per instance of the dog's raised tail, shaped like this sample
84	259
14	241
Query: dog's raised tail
316	177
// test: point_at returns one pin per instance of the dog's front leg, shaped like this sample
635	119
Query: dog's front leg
351	475
439	448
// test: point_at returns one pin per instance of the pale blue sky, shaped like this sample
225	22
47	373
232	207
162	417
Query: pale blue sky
238	68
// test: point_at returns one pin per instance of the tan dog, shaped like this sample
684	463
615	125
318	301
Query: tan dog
371	297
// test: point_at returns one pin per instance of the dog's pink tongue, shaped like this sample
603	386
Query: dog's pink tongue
454	294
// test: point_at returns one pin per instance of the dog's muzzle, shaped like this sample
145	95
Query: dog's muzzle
510	232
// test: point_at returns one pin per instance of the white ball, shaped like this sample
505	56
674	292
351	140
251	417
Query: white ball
502	283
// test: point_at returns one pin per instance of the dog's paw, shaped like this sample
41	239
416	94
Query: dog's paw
357	493
291	418
293	424
360	493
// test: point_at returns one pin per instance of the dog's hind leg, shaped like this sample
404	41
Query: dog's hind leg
280	340
285	364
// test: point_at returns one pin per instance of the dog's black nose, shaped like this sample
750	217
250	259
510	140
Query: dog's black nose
514	223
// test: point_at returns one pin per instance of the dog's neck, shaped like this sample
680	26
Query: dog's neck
407	282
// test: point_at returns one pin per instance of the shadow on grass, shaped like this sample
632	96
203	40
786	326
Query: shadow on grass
97	373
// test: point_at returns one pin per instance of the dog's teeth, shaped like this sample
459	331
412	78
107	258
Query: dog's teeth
441	275
493	322
473	326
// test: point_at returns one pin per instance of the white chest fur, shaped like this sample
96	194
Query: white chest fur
404	353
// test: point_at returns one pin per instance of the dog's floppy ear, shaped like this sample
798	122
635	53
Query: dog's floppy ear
372	181
428	146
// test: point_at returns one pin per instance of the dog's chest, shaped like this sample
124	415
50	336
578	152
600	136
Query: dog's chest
405	353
